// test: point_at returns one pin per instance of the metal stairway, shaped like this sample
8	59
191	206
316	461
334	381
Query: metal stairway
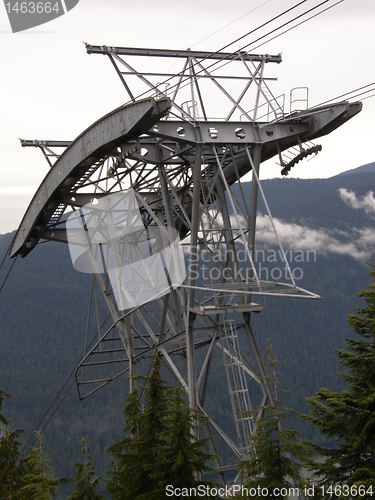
237	385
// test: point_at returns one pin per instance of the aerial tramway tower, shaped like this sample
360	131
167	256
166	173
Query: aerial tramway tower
182	146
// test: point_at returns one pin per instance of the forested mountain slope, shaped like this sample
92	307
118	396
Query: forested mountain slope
327	229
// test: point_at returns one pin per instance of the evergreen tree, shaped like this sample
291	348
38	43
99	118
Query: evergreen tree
137	467
11	472
39	483
159	448
185	455
85	480
122	453
349	416
276	455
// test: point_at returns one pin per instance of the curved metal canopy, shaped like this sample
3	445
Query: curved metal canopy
81	158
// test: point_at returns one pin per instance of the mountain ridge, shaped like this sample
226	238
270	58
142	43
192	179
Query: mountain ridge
364	169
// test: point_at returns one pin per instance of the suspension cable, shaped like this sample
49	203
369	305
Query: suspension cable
181	74
7	273
225	60
372	84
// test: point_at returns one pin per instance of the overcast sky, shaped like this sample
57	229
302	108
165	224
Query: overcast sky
52	89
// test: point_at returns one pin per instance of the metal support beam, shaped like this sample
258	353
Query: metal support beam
256	157
218	56
190	316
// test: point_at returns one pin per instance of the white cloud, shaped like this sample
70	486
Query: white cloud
367	202
359	243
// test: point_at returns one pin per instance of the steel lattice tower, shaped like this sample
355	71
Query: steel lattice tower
184	146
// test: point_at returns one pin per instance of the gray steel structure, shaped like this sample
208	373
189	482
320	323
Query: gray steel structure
184	167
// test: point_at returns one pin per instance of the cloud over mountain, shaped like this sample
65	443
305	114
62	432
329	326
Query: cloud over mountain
367	202
358	243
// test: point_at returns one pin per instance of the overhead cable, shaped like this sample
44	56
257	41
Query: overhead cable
276	29
8	273
232	22
347	94
226	60
182	74
299	24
